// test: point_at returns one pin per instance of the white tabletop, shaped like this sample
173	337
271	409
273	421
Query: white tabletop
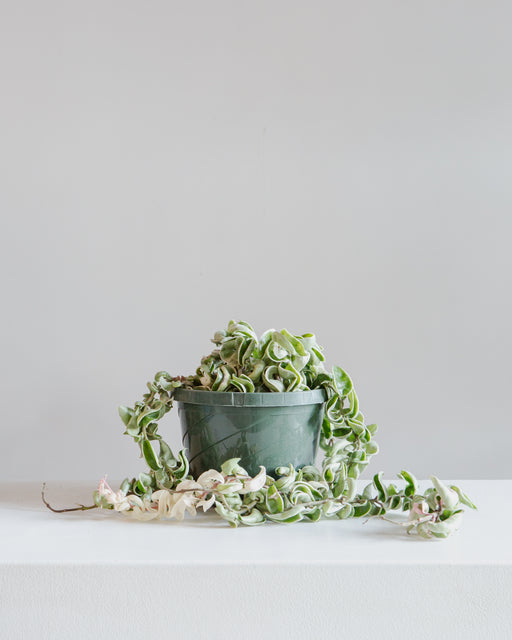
97	574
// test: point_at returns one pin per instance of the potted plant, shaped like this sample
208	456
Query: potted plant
253	416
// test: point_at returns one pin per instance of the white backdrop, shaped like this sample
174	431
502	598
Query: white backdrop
336	167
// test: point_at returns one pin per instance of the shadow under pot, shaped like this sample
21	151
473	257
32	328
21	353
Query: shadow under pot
269	429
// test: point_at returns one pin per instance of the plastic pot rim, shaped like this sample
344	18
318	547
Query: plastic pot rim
250	399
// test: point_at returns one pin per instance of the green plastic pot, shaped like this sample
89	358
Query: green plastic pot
269	429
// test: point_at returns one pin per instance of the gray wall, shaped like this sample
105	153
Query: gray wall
338	167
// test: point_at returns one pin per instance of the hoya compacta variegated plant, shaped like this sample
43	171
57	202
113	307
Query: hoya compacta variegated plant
276	362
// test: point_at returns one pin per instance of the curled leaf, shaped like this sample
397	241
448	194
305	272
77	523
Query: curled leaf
150	455
290	515
125	414
449	497
256	483
342	381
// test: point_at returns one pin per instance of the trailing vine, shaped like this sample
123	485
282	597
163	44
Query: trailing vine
276	362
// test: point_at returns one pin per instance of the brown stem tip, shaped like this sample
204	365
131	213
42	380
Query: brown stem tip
79	508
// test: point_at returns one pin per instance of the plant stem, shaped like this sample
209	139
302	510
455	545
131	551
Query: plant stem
79	508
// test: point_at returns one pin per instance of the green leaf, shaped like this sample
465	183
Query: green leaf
245	351
342	381
151	431
296	343
283	341
366	436
448	496
164	380
290	375
341	432
232	468
407	504
163	479
333	410
299	362
308	340
422	530
341	482
446	527
181	471
328	474
310	473
253	518
241	328
368	491
314	515
166	455
351	488
288	476
376	510
133	429
149	415
274	500
219	337
290	515
354	404
361	510
275	352
372	448
229	350
391	489
222	379
125	414
327	431
227	514
324	379
381	489
357	427
150	456
353	470
463	498
395	502
271	380
243	383
331	508
372	428
357	456
144	483
304	493
258	368
317	354
264	341
411	484
347	511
